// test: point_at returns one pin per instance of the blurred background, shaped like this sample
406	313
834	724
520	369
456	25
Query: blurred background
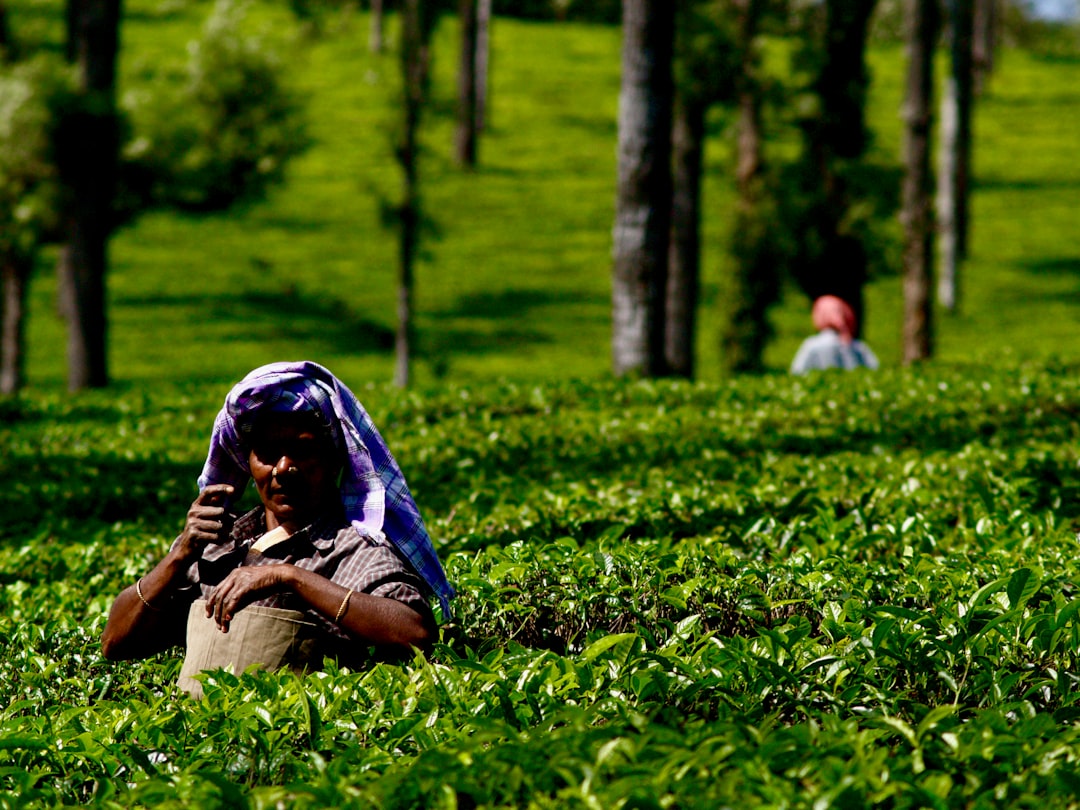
193	188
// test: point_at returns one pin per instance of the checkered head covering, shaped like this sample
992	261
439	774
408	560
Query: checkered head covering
373	489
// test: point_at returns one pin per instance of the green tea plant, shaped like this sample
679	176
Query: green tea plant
846	590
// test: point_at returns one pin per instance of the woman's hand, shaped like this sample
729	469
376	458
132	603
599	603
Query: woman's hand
242	586
207	522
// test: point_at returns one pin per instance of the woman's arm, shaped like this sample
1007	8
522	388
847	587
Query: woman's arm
140	627
376	619
144	618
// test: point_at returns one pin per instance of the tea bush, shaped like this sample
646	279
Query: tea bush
850	590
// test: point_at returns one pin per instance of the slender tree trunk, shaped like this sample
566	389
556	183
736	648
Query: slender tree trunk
88	166
375	35
917	209
414	67
984	41
71	26
643	196
755	284
5	32
465	142
15	275
684	254
955	157
483	61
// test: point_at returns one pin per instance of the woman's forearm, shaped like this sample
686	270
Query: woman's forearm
377	619
143	619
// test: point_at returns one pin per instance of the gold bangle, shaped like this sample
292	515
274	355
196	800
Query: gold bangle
138	590
344	606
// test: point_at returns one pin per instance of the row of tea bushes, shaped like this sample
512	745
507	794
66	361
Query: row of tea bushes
850	591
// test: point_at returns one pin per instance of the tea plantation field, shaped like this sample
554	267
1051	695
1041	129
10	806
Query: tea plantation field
849	591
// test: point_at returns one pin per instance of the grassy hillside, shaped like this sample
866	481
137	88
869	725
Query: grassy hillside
516	281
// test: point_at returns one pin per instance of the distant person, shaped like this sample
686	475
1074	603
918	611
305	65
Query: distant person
835	345
335	558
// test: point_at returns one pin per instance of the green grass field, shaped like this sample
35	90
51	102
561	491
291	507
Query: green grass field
515	282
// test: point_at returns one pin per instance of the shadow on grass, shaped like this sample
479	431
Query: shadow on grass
1059	183
329	320
1058	266
514	304
1060	100
14	410
598	126
507	312
316	320
1057	58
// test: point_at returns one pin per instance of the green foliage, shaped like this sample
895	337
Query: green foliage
33	96
1051	38
708	59
602	11
849	589
228	135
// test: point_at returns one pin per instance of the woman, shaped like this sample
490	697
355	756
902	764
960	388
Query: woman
334	559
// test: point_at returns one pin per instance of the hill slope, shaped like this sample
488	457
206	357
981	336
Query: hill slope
516	281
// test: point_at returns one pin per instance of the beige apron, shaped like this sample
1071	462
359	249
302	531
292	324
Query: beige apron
270	637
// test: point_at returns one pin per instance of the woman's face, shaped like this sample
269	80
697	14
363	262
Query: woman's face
294	469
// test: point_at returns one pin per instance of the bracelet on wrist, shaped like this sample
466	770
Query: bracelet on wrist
138	590
344	606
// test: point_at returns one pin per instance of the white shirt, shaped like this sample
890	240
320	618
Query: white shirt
826	350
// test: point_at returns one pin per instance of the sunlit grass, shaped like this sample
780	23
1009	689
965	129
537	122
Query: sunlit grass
515	279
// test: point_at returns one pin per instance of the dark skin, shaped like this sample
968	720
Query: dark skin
295	474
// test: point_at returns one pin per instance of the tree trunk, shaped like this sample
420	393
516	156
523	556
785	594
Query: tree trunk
5	34
916	213
984	41
684	254
87	160
483	61
955	158
756	281
834	260
15	277
375	36
414	67
643	195
843	80
465	142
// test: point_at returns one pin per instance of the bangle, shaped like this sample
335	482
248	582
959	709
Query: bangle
344	606
138	590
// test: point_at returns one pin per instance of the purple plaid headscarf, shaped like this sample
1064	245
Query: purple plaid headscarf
373	490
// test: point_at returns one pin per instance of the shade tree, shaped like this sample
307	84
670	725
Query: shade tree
34	96
419	19
222	140
757	253
87	157
828	189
